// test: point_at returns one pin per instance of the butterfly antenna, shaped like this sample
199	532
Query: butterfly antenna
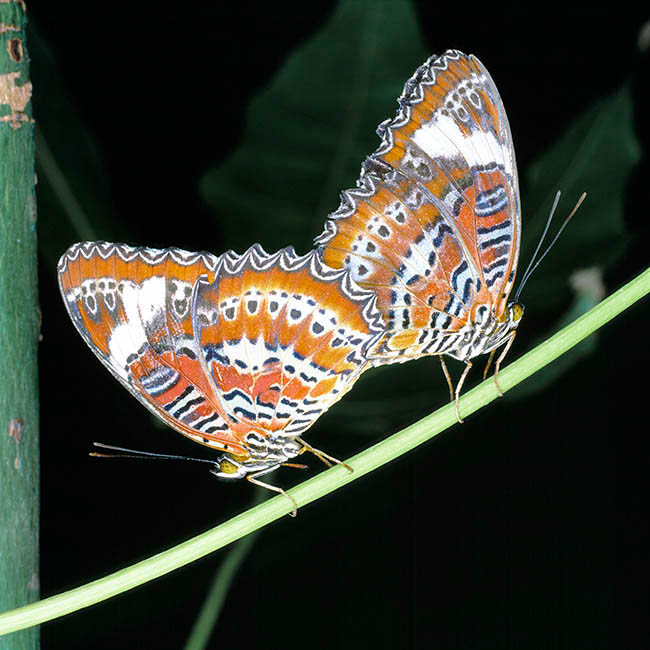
534	263
134	453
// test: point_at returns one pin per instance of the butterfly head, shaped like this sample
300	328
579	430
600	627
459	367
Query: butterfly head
509	321
500	328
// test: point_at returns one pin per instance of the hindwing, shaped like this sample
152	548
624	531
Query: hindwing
282	337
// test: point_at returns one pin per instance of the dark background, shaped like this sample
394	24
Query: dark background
526	527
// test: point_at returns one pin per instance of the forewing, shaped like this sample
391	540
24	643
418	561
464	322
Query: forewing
133	307
433	225
283	337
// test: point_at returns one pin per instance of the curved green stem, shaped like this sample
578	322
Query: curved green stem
332	479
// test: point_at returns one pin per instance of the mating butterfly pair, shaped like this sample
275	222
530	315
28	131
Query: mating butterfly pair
243	353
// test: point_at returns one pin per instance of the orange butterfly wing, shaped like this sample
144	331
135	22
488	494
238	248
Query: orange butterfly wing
240	353
433	226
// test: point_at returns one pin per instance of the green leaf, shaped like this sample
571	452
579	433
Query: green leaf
595	155
308	132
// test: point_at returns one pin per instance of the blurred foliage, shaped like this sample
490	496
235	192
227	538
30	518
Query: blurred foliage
596	154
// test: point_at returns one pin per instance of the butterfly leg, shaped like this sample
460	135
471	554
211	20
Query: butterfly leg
452	394
502	356
488	364
459	386
326	458
252	478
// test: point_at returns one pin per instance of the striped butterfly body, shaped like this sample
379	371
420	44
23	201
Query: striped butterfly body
433	226
241	353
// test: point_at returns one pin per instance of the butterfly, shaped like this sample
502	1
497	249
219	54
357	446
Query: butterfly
241	353
433	226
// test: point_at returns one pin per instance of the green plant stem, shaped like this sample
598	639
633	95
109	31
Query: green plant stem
333	478
19	329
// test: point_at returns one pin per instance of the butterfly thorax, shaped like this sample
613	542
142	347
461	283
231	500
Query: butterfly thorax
265	454
484	331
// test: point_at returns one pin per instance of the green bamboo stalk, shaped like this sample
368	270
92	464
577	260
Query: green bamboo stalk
19	325
332	479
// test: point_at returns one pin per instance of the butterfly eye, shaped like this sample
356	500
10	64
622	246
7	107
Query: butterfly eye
227	467
516	312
